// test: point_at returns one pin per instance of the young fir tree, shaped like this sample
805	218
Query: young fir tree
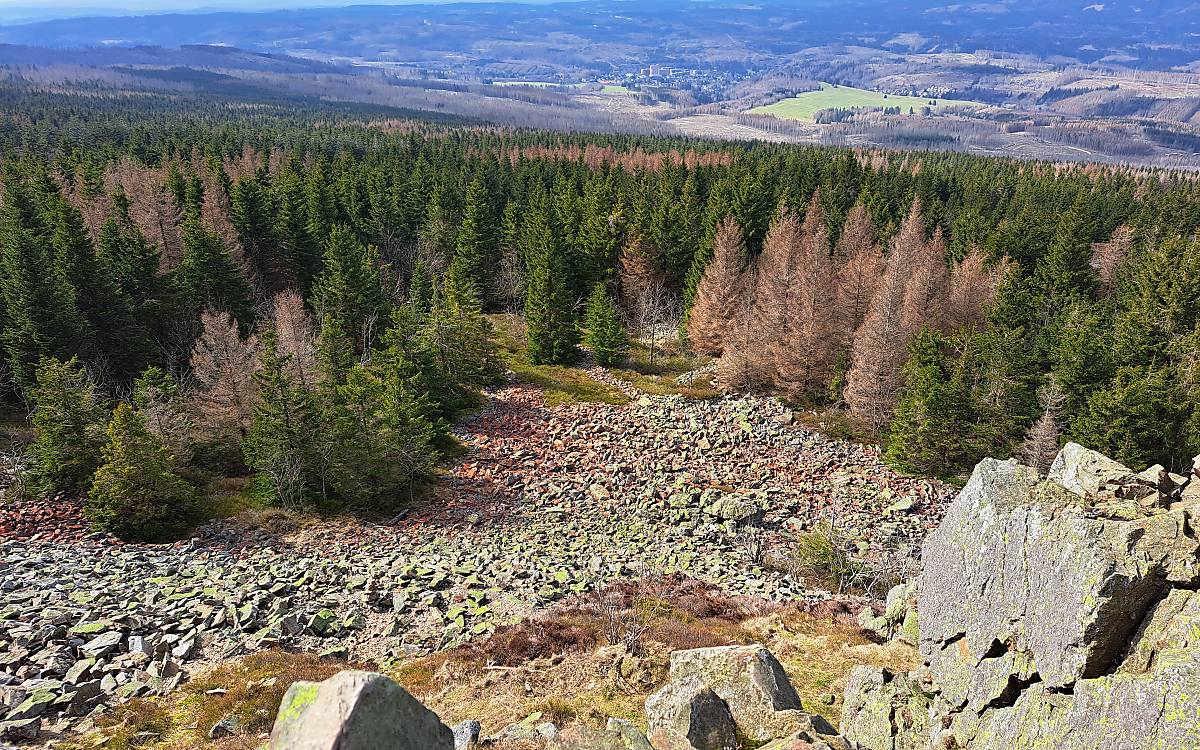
68	426
461	336
380	444
134	263
1065	272
349	289
926	435
550	323
159	401
408	366
136	494
253	216
40	317
475	252
1134	419
115	336
605	334
210	278
420	289
281	444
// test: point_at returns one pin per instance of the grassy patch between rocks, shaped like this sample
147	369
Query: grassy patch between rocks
659	378
246	692
597	656
559	384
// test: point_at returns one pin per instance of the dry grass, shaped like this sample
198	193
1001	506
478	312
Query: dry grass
559	384
249	690
556	667
670	361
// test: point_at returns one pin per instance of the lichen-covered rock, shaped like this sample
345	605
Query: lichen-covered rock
1085	472
752	683
618	735
884	711
356	711
1115	712
686	714
818	734
1017	567
1053	614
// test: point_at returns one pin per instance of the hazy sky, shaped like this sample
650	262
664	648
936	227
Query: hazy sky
27	10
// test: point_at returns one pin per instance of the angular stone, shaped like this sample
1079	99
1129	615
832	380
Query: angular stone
466	735
21	730
884	711
1085	472
751	681
582	737
687	714
356	711
1046	622
1017	567
102	644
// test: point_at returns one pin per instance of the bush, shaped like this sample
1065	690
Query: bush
136	493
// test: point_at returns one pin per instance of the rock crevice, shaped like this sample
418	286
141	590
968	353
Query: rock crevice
1054	612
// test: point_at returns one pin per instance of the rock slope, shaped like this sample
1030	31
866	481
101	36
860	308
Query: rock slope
543	504
1053	613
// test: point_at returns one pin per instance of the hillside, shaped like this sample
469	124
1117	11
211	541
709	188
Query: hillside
1106	82
597	439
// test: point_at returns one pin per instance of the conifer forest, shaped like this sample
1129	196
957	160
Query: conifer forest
211	290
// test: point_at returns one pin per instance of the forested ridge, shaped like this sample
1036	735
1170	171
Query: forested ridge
207	292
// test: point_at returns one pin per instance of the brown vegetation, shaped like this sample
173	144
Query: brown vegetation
719	291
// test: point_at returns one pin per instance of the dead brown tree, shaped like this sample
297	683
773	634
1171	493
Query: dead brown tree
719	290
223	365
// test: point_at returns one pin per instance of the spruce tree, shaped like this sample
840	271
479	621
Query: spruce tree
605	334
348	290
926	433
1065	272
420	289
281	445
253	216
407	365
40	317
115	336
550	325
159	401
209	277
136	494
68	426
1134	419
475	252
380	444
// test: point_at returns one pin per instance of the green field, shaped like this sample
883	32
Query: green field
805	106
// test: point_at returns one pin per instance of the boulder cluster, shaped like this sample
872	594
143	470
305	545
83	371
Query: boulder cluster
544	504
716	699
1056	612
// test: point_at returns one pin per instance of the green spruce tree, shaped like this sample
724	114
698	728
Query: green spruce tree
136	493
551	336
605	334
68	426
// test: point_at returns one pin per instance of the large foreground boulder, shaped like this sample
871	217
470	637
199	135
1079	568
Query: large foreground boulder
751	681
356	711
1055	612
686	715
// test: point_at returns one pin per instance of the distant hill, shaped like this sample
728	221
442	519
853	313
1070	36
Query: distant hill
599	34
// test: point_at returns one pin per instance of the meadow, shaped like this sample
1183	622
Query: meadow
805	106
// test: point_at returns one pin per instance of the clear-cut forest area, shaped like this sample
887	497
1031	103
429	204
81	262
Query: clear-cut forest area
328	424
